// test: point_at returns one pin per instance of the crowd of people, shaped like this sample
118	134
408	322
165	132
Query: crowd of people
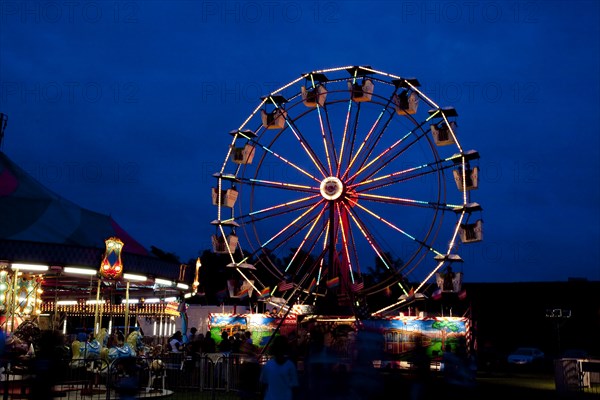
197	343
286	368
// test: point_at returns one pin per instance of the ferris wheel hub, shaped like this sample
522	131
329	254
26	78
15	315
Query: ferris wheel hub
331	188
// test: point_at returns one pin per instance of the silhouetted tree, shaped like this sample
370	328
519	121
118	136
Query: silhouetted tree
163	255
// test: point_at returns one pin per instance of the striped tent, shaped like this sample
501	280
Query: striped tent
40	226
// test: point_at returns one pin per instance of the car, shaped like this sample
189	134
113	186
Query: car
525	356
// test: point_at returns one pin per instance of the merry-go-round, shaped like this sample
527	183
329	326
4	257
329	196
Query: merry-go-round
93	322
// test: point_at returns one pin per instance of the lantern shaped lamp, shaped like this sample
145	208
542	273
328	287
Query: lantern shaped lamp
111	266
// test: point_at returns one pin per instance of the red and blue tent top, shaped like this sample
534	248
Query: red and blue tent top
39	225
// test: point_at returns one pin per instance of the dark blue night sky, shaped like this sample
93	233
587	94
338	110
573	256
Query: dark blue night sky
124	107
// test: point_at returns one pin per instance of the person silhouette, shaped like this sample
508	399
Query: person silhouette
208	344
279	376
449	280
224	345
176	342
421	365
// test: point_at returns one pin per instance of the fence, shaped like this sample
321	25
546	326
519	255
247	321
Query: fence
208	376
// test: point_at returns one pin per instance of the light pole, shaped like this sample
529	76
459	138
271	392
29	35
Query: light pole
559	316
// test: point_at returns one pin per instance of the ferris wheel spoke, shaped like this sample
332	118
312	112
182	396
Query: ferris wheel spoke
380	254
306	146
289	226
277	210
271	212
373	243
331	140
345	132
407	202
306	238
370	147
391	153
346	259
305	268
303	143
398	229
324	138
352	139
404	175
274	246
279	185
286	161
322	126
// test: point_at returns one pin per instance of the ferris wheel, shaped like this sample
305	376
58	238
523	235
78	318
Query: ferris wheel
347	181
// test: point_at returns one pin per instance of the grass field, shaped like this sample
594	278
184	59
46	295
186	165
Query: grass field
540	386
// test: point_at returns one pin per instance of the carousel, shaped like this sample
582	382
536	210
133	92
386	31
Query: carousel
105	316
73	277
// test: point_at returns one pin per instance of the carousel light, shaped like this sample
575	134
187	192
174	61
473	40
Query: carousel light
131	301
164	282
183	286
187	295
135	277
170	299
66	302
152	300
29	267
80	271
94	302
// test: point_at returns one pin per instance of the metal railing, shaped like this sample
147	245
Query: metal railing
211	375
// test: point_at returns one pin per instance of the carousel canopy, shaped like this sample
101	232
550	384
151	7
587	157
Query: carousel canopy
40	226
31	212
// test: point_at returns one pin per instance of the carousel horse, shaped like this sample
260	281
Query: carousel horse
78	351
121	349
16	345
135	342
28	331
84	349
20	342
92	349
102	337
